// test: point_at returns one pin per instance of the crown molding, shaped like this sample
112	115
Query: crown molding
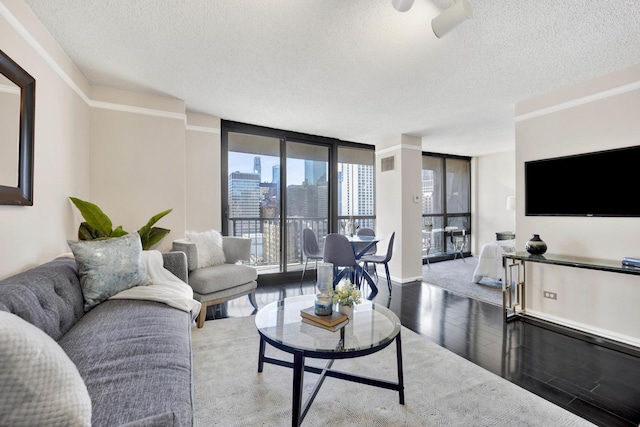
203	129
41	51
629	87
398	147
137	110
13	90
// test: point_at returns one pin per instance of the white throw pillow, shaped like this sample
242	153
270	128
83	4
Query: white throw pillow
39	384
209	244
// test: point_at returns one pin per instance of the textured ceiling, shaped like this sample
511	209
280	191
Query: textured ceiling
357	70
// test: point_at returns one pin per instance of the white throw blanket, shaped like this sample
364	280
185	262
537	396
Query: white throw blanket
490	260
165	287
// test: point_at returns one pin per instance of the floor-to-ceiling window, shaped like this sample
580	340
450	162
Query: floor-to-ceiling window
253	207
446	206
356	186
276	183
307	196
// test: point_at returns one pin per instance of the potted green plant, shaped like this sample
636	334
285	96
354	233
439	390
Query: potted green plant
346	295
97	225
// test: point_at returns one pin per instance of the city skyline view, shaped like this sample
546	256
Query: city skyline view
242	162
355	181
255	204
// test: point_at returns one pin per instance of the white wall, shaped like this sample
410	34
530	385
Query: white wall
596	115
125	151
494	179
203	179
395	209
35	234
137	158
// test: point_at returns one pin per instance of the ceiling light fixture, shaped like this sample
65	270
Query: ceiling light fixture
459	12
402	5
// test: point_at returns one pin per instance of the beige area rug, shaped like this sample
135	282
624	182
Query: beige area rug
457	276
441	388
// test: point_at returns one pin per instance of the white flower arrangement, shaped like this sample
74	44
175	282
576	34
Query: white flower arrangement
346	294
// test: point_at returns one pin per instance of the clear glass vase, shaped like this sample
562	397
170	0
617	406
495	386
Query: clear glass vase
324	284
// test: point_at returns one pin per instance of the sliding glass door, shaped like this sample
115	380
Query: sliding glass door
276	183
446	206
256	196
307	197
458	198
253	207
432	206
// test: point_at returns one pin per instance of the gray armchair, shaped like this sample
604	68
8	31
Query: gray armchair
220	283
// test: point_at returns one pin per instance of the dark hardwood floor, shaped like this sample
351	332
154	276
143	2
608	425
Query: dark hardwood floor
597	383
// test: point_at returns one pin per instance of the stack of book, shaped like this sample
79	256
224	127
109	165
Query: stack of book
631	262
332	322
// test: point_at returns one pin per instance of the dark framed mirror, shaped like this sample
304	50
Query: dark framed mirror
17	117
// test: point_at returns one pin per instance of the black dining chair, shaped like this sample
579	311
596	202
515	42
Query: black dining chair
382	259
310	249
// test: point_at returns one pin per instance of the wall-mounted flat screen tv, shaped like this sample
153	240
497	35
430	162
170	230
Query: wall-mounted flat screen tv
603	183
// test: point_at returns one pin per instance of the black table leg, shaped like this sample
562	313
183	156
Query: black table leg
399	362
261	355
298	378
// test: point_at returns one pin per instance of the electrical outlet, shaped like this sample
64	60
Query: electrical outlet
550	295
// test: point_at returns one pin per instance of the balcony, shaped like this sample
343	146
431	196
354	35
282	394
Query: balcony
266	241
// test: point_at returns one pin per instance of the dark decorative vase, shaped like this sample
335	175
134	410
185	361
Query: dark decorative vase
535	245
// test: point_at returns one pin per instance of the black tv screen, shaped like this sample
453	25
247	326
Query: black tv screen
603	183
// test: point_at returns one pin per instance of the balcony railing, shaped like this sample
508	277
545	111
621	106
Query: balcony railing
266	246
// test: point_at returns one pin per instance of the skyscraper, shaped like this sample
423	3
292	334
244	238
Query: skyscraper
257	167
355	189
315	171
244	198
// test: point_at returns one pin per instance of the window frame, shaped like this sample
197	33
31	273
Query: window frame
228	126
446	217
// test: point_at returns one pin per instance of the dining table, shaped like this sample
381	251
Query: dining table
360	246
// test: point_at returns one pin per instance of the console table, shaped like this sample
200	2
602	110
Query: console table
513	300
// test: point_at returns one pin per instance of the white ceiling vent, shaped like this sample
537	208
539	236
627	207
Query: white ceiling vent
388	163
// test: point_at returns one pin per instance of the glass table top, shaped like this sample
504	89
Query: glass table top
372	326
362	239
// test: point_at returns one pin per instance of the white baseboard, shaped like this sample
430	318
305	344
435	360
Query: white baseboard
585	328
405	280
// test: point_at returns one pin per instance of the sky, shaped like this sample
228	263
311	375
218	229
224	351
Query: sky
243	162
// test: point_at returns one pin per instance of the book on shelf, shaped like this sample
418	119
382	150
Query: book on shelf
333	328
329	320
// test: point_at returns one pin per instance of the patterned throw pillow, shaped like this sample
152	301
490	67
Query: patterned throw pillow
109	266
209	244
39	384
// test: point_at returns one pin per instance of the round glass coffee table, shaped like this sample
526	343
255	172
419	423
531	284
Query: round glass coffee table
372	328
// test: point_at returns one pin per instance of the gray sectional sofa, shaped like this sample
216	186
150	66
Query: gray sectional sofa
133	355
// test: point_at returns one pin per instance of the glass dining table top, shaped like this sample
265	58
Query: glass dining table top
362	243
362	239
372	326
